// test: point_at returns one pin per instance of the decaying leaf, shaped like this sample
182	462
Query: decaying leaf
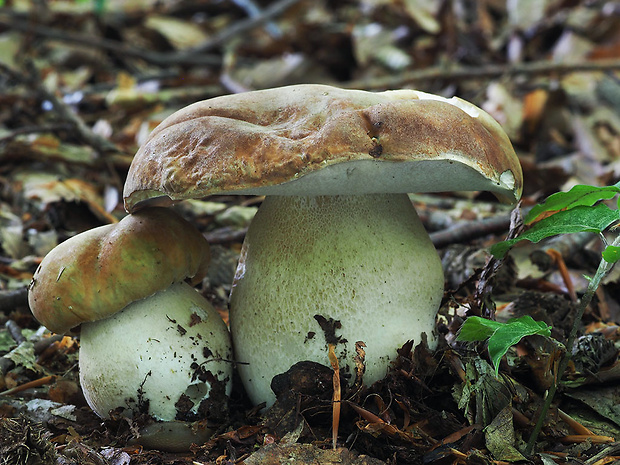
482	396
500	437
181	34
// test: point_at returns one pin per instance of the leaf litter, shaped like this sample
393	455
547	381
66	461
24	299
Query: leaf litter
83	83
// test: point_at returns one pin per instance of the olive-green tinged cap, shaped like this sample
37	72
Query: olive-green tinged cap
97	273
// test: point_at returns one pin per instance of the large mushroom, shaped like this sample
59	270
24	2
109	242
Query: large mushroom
336	253
149	342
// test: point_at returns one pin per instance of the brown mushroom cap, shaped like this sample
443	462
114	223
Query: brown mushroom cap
97	273
320	140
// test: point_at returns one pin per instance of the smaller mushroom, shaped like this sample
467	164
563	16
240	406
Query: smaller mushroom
149	342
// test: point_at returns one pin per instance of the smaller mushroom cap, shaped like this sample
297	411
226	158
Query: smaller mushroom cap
322	140
97	273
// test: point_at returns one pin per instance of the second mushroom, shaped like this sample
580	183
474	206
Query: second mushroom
150	344
336	253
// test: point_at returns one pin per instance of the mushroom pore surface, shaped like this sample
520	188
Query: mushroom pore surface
336	269
171	357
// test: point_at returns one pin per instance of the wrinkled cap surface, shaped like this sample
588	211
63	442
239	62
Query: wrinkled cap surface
322	140
97	273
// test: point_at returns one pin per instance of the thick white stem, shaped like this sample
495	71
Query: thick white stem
363	262
162	355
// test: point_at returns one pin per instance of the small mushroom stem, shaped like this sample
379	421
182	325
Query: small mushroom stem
332	270
173	436
162	355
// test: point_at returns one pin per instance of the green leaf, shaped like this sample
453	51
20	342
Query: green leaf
500	249
501	336
511	333
7	343
578	219
611	254
580	195
476	328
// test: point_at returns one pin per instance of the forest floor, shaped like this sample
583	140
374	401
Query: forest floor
82	84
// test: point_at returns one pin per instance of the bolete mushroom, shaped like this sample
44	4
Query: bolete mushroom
336	253
149	342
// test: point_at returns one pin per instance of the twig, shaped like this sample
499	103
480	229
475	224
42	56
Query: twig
15	331
563	269
194	56
10	300
35	130
577	427
481	304
611	450
29	385
466	73
56	347
253	11
453	437
43	344
33	80
99	143
467	230
593	438
156	58
273	10
225	235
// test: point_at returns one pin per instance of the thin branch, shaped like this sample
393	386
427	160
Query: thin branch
481	298
226	234
29	385
10	300
36	130
99	143
611	450
468	230
33	80
116	47
253	10
466	73
266	15
15	331
194	56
